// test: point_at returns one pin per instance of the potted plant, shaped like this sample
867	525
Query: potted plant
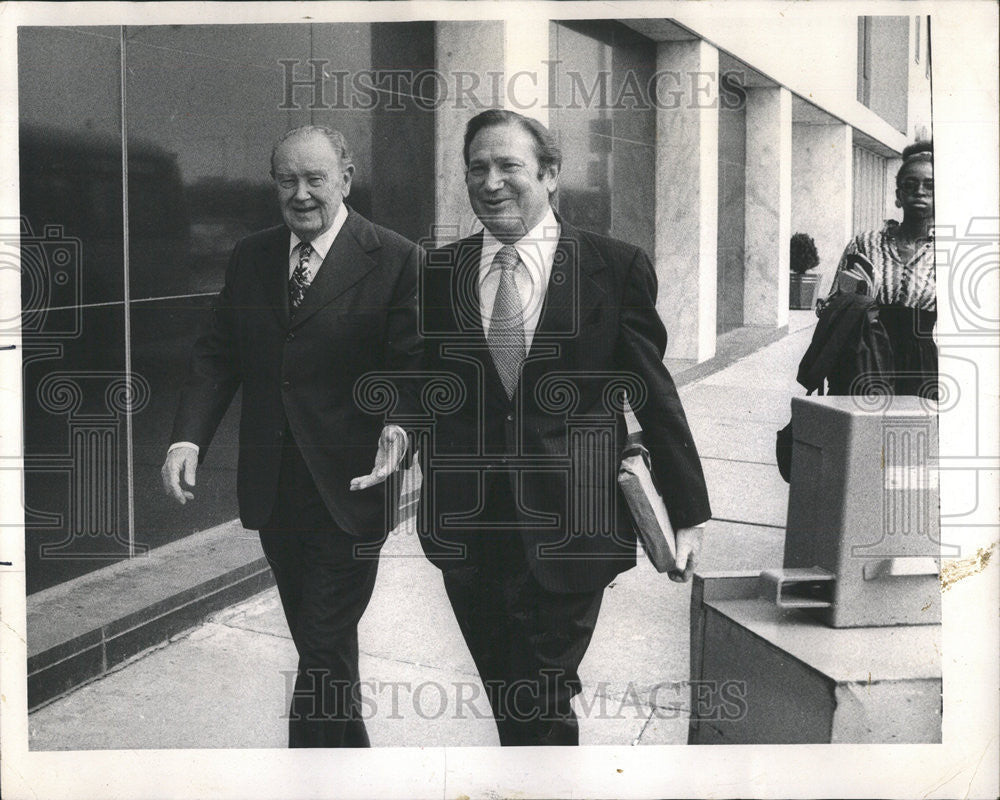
802	286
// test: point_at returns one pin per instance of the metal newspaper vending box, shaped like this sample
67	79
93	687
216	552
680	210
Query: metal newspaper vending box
862	544
843	643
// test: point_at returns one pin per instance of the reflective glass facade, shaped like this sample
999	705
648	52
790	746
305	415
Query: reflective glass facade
606	123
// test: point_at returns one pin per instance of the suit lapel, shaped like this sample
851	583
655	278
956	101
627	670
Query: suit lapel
573	291
273	266
465	286
347	262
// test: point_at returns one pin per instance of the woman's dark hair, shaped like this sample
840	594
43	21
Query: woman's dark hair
547	152
914	153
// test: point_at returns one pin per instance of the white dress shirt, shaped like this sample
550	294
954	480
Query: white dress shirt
537	250
321	246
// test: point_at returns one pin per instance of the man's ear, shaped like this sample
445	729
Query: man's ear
348	176
550	177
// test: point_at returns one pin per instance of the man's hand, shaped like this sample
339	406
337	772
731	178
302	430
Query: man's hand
688	552
391	449
180	460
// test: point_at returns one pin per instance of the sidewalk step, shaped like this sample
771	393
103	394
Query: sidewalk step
80	629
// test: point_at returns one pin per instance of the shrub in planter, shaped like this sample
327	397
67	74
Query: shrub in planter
802	258
802	255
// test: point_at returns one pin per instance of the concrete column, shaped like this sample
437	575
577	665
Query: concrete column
687	197
526	57
471	57
822	191
768	206
492	64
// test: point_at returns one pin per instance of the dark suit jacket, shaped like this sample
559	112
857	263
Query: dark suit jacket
559	439
358	315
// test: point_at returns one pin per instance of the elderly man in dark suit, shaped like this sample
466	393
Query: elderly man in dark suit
307	308
546	327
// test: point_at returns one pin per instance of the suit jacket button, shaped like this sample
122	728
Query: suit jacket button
510	418
289	337
279	434
286	384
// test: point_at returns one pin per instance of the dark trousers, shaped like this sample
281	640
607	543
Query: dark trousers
324	588
527	641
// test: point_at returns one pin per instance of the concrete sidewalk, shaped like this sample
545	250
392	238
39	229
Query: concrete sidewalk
225	683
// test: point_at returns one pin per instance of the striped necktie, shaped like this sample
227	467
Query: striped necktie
300	280
506	334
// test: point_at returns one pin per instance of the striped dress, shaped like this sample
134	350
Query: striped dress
906	293
911	284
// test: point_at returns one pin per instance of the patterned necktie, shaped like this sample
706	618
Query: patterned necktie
299	282
506	334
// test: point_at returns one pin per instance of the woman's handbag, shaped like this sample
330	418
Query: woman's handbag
783	451
783	448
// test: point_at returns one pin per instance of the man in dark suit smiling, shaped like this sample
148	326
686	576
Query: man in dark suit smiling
307	309
544	326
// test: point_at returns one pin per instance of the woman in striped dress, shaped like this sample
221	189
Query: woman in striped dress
900	258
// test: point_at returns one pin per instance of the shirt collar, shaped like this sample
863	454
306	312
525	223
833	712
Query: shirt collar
891	224
321	244
536	248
